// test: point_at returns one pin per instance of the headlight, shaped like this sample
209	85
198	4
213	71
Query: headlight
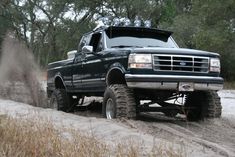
214	65
140	61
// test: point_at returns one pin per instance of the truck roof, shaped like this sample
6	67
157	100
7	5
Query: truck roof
144	29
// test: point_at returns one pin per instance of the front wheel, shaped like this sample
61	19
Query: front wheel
119	102
203	104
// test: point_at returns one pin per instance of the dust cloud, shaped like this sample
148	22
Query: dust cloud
19	74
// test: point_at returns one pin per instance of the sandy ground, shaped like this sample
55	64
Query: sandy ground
208	138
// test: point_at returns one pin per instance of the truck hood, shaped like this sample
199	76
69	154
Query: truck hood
158	50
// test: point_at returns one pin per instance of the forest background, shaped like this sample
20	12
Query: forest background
51	28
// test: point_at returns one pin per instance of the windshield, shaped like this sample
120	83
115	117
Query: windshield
138	38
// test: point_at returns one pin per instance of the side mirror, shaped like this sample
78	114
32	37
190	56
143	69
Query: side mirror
87	49
71	54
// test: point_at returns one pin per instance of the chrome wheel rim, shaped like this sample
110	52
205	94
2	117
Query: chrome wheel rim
110	109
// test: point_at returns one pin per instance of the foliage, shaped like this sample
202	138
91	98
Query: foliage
208	25
51	28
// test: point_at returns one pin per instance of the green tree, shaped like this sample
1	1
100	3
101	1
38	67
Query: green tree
51	28
208	25
217	31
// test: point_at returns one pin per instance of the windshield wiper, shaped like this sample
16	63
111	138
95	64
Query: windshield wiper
123	46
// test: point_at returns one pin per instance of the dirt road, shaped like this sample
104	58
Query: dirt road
217	135
208	138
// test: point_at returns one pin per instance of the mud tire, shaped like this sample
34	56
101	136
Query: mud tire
59	100
205	104
123	100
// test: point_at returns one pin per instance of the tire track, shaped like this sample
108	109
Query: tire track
207	134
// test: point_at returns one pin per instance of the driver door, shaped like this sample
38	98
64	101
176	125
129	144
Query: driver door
93	66
77	71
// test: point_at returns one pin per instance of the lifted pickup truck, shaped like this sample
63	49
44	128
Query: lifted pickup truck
137	69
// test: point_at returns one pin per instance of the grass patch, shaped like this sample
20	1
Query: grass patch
26	138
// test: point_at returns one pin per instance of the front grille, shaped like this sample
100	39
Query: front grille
180	63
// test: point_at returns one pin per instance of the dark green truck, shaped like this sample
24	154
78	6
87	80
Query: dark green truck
137	69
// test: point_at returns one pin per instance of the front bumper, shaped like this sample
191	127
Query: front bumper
172	82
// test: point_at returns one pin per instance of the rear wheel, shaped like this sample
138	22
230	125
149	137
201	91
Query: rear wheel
203	104
60	100
119	102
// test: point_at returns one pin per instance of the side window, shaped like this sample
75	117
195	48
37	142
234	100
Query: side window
96	42
84	41
100	45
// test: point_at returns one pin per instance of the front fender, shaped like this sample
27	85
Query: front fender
115	67
118	66
59	76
